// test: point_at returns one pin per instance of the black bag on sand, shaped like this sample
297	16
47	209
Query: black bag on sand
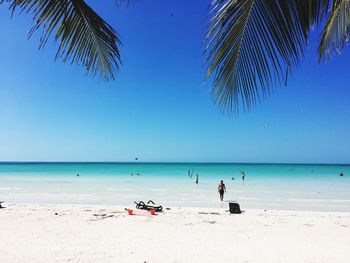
234	208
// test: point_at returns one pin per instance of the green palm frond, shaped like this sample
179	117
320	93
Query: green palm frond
252	44
336	31
84	37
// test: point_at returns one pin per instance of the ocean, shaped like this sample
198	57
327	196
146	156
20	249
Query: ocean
312	187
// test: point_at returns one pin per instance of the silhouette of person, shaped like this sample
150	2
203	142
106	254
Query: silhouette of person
222	190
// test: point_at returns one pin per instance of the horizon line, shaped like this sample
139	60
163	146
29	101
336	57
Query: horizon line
164	162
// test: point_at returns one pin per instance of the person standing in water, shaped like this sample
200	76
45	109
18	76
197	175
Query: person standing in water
196	178
243	175
222	190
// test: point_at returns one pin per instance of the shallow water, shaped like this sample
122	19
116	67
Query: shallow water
267	186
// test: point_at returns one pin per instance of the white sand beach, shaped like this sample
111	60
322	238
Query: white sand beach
91	233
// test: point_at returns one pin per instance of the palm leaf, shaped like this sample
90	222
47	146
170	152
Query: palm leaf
336	31
84	37
253	44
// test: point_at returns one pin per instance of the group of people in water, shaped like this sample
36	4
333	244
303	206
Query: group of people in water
190	174
221	187
242	174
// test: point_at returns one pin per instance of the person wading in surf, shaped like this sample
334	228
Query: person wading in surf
222	190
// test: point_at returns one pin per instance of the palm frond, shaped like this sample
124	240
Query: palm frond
253	44
313	11
83	36
335	34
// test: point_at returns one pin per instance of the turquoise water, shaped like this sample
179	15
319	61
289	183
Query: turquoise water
266	186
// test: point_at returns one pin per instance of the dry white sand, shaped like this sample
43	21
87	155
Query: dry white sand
34	233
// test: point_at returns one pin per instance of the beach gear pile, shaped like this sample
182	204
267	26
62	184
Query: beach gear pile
150	205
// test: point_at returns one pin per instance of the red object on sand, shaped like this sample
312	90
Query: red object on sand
153	212
130	211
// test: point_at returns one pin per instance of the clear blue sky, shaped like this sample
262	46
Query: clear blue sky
159	108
